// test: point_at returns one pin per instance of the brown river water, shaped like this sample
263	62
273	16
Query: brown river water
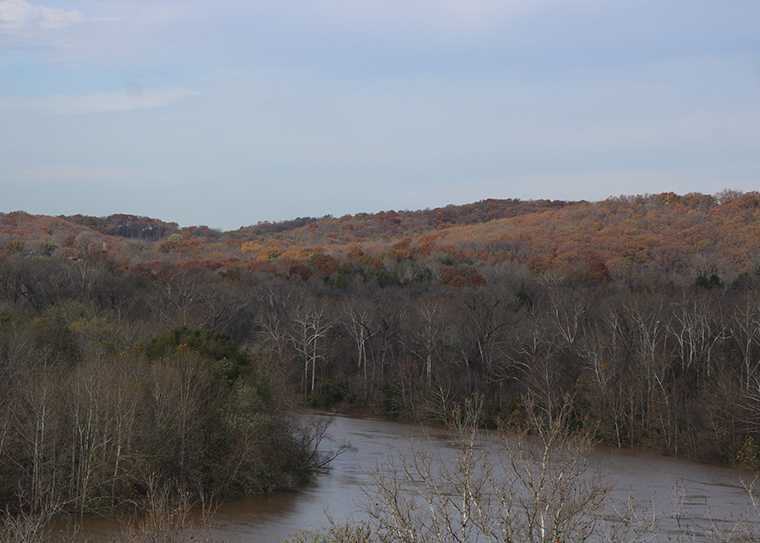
710	491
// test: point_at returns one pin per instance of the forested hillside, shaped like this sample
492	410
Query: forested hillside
663	238
117	330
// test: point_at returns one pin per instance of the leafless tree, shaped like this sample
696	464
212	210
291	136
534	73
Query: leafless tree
357	319
37	427
533	354
744	329
312	434
310	326
430	333
648	322
276	303
537	485
601	351
486	313
698	329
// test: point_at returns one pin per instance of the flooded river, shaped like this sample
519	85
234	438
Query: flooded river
710	491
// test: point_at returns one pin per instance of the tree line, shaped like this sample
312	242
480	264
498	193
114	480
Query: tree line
181	353
101	399
672	368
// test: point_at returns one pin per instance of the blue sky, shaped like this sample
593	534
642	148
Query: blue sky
230	112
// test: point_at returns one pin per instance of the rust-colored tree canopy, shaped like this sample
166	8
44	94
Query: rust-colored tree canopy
633	239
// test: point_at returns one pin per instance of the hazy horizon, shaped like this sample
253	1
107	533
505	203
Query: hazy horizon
231	113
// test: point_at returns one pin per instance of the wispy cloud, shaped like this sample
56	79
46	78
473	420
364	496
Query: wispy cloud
472	15
20	15
373	103
132	97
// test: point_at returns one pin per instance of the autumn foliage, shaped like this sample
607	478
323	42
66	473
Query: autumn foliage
646	309
633	239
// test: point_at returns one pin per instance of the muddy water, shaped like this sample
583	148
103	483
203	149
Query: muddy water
709	491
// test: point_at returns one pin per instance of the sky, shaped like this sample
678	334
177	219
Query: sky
231	112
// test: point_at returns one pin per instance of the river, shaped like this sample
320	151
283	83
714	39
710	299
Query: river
710	491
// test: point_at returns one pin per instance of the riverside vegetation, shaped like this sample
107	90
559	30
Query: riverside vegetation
535	482
132	349
155	427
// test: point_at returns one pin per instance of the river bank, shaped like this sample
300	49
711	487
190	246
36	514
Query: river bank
682	491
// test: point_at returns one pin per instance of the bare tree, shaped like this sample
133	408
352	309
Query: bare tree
177	300
310	326
36	424
533	354
357	320
744	329
180	395
276	303
311	435
103	409
601	351
485	314
559	496
537	485
648	322
431	331
698	329
568	308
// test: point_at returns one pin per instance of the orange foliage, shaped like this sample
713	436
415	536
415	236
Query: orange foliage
401	250
354	252
328	268
300	272
623	238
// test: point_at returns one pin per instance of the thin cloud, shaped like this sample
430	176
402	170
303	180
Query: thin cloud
20	15
131	98
472	15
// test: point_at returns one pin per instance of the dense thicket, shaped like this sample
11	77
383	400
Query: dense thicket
93	410
123	356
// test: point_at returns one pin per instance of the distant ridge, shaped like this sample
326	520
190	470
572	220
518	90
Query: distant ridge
634	239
